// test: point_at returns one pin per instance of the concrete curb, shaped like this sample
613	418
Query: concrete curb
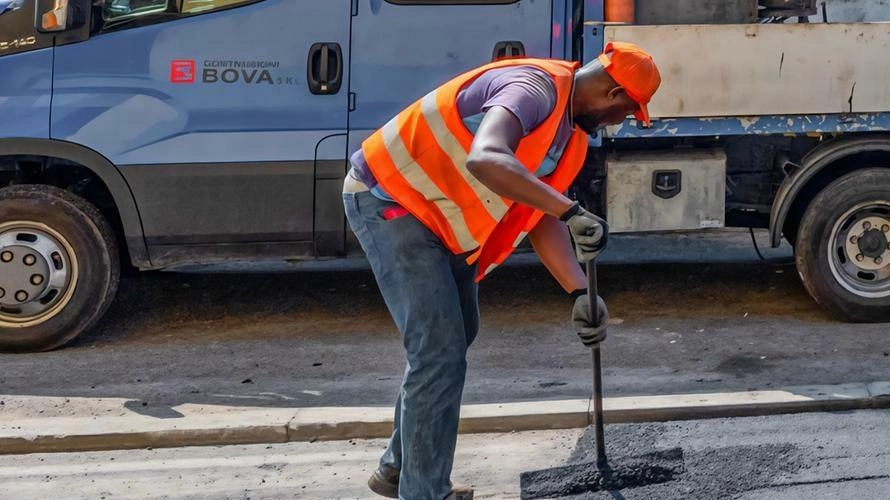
124	426
186	425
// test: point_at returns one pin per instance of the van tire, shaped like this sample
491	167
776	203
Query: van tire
837	252
72	229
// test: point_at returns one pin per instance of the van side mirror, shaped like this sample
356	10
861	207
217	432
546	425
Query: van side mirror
55	19
60	15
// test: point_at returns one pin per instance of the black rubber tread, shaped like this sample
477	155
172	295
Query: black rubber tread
95	248
811	249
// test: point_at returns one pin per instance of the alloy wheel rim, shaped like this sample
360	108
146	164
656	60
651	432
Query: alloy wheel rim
38	273
859	253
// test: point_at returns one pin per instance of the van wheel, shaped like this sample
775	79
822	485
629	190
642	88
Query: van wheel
59	267
843	247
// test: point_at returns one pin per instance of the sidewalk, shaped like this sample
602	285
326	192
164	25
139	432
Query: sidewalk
52	424
795	457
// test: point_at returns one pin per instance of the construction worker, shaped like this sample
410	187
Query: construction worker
445	191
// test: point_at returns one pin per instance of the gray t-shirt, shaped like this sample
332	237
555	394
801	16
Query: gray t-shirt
525	91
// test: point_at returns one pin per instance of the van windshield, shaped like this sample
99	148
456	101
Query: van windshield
116	9
10	5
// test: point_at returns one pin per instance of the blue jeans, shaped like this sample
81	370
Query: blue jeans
432	297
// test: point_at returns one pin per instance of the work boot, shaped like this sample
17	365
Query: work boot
386	483
460	492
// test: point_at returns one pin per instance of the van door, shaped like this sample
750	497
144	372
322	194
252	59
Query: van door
213	110
402	49
26	67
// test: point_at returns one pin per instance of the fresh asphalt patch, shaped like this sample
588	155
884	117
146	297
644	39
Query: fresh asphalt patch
632	472
722	469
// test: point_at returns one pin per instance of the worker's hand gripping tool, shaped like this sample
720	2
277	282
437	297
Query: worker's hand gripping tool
590	232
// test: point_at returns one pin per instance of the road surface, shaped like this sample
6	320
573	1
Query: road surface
322	337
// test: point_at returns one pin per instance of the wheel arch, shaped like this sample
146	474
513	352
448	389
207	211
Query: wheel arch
826	162
107	173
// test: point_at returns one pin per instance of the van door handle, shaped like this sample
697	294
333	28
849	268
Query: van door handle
504	50
324	71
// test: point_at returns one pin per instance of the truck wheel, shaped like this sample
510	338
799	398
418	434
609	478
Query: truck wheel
843	247
59	267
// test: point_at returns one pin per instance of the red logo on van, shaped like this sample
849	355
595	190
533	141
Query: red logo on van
182	71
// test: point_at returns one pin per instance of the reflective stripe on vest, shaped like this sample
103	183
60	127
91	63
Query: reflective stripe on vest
421	182
420	159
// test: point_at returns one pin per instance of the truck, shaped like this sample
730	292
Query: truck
154	134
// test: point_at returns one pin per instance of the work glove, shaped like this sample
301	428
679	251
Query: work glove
590	334
589	232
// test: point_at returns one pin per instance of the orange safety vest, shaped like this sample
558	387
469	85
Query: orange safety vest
420	159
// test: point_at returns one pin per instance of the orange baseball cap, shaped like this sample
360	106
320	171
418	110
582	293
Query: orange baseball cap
635	70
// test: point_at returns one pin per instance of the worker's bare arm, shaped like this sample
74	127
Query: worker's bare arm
491	160
551	241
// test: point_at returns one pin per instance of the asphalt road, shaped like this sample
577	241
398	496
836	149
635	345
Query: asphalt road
321	336
797	457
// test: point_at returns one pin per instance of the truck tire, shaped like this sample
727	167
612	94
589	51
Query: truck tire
843	247
59	267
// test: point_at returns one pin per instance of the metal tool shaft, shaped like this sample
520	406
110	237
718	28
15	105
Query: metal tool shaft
598	424
601	460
